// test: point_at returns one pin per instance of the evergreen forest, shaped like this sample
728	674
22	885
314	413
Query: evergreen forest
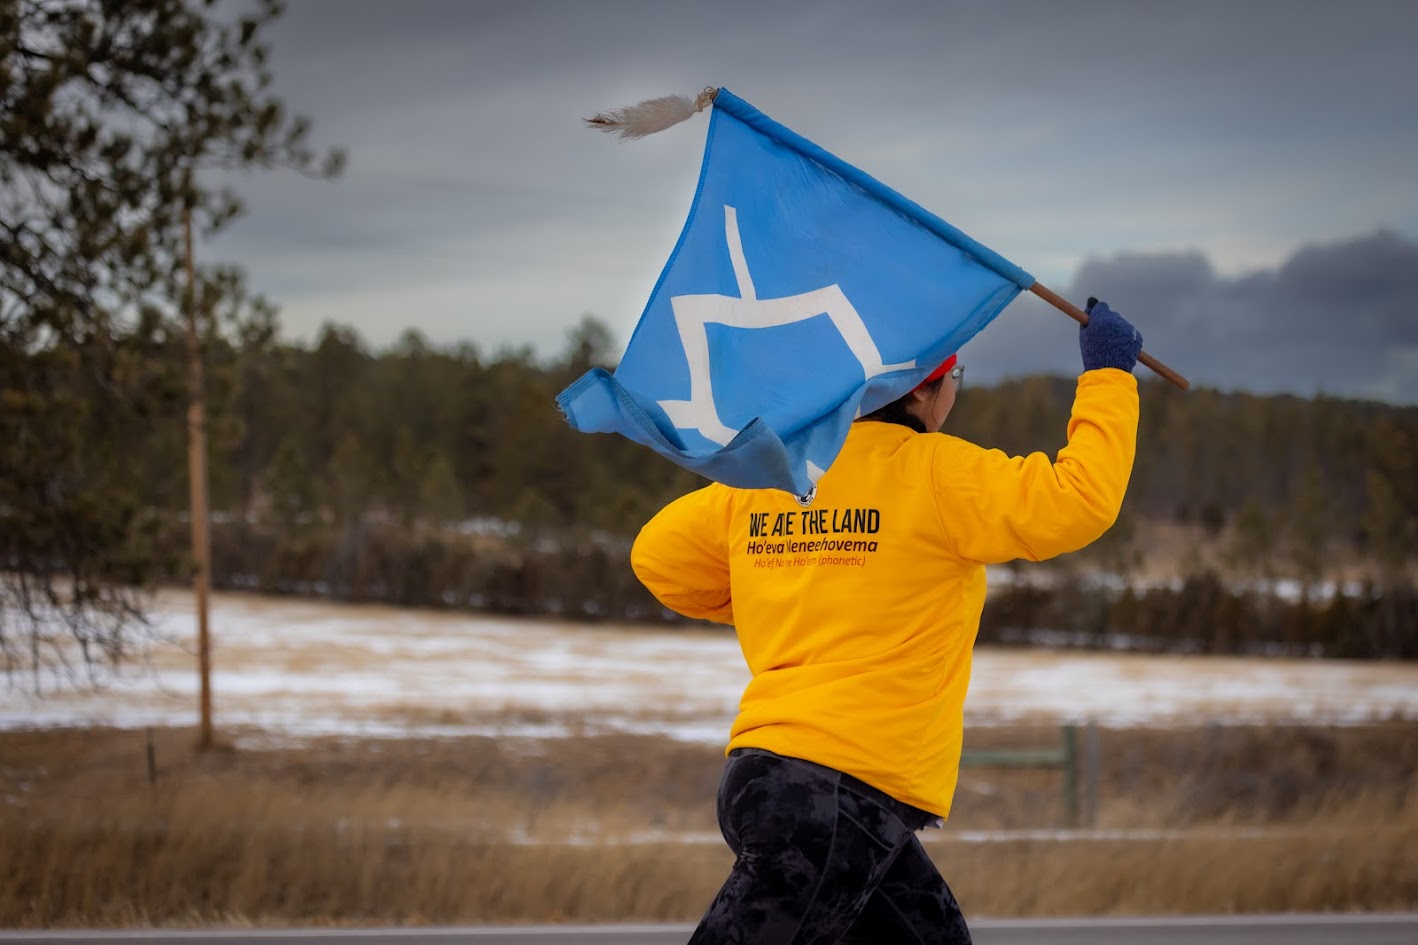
445	476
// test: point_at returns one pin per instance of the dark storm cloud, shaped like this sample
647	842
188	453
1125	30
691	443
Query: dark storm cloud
1341	318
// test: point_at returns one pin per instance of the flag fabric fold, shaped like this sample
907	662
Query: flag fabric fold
802	294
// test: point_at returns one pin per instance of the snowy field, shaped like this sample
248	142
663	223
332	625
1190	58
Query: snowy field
296	668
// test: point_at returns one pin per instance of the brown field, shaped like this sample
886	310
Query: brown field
469	830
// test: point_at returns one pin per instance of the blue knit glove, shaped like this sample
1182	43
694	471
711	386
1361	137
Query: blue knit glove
1108	340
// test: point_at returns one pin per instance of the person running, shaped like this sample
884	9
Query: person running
857	608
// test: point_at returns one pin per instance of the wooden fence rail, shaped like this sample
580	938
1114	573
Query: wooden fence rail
1076	767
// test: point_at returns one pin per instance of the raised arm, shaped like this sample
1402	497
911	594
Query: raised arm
996	508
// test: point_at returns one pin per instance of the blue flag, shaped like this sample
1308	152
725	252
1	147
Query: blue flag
802	294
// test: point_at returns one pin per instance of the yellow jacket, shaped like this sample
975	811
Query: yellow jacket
857	614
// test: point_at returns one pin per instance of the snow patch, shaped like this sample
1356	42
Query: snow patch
297	668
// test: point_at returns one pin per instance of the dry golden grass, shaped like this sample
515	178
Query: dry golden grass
428	831
1300	871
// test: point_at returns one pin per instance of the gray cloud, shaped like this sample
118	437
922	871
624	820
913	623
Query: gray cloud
1177	152
1339	318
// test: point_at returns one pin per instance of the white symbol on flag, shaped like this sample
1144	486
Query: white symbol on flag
694	312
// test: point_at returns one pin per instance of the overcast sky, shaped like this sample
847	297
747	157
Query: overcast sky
1239	178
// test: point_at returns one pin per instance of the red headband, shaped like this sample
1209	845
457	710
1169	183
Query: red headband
941	371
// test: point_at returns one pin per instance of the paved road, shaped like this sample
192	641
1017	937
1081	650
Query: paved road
1212	930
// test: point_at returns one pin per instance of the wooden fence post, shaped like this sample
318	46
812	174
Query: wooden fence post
152	761
1092	755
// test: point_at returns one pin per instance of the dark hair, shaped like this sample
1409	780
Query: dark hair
896	412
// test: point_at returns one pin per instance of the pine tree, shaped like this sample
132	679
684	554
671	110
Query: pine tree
1388	527
1308	530
440	498
1251	548
111	116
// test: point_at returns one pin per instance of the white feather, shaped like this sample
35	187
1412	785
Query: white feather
646	118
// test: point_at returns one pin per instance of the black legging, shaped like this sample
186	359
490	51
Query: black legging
823	858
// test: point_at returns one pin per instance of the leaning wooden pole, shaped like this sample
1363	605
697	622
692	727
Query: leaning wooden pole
197	476
1080	316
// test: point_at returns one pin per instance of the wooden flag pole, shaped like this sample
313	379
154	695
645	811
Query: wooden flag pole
197	475
1080	316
